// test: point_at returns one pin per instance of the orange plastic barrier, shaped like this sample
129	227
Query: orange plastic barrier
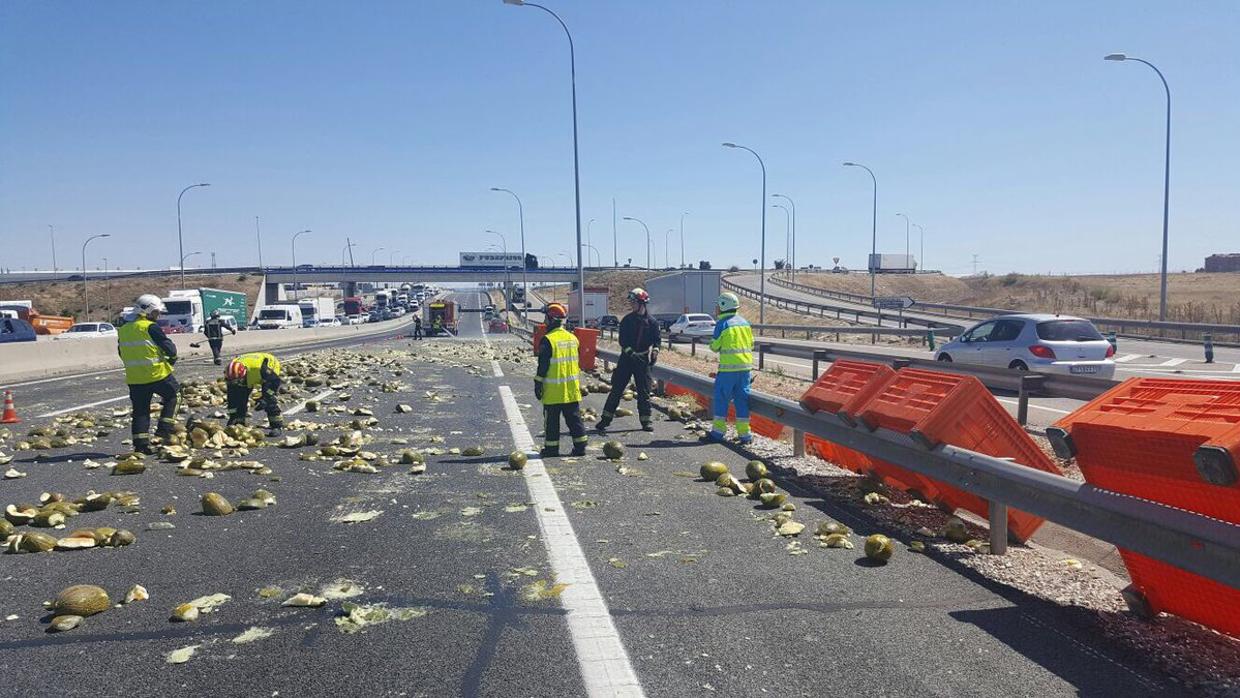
587	347
936	408
1174	442
841	390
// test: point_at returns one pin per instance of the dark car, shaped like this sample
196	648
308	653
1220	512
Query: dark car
608	322
15	330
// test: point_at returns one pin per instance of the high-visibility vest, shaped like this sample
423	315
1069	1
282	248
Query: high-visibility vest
144	361
254	366
562	383
734	344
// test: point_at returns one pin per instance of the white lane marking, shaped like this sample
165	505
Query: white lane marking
496	370
605	667
1178	372
1173	362
88	405
61	378
302	405
1235	369
1126	358
1035	407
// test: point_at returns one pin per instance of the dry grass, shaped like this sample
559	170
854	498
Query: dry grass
108	296
1192	297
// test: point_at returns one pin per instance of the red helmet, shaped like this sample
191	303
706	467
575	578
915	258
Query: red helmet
236	371
639	294
557	311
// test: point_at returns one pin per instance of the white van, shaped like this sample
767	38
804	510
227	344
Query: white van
276	317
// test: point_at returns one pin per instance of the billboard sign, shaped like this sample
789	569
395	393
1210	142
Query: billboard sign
499	260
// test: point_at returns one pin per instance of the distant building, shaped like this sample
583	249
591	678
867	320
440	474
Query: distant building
1223	262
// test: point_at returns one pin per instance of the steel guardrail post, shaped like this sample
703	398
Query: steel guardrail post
998	515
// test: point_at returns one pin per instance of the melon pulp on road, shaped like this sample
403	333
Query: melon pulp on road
698	590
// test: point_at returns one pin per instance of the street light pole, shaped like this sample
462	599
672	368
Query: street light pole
525	280
188	255
52	231
762	272
1162	290
630	218
258	232
873	224
682	238
294	244
667	259
787	234
922	238
391	253
375	252
180	240
507	276
85	288
588	240
572	63
793	255
907	223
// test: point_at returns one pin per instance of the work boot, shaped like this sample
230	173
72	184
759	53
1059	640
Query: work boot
143	446
646	425
218	362
745	440
549	452
712	437
274	431
602	425
579	449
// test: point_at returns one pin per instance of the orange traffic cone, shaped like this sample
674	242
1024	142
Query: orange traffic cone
10	413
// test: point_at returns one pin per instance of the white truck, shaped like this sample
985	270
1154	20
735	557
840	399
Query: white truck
315	310
278	317
596	305
187	309
683	292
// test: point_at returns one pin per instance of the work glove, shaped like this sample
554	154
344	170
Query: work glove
538	389
654	356
267	374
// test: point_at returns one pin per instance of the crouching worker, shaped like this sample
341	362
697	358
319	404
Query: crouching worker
249	371
733	342
557	384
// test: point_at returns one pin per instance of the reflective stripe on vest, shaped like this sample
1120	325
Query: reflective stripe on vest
253	363
735	345
144	361
562	384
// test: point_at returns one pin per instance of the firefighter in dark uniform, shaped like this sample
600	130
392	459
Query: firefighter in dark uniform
639	350
243	375
557	384
417	327
214	329
148	356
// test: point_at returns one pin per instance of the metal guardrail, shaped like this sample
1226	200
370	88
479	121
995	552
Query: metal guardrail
1195	543
1122	326
843	329
823	310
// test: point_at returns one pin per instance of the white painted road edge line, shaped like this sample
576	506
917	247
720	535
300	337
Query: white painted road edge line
605	667
1126	358
67	410
1173	362
302	405
61	378
496	370
1035	407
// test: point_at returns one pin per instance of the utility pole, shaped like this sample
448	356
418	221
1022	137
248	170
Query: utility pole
975	265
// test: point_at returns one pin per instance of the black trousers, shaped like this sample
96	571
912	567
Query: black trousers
637	370
216	345
571	412
417	332
239	403
140	397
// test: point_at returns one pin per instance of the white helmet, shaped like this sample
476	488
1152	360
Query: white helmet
148	303
728	301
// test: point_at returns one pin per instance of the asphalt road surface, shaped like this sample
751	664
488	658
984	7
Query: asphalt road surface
671	590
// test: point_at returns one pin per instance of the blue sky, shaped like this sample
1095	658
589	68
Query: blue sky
997	126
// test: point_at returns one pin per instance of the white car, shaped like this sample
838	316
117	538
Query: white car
358	319
691	325
85	330
330	322
1035	342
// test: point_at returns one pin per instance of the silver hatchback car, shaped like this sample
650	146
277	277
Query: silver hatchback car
1034	342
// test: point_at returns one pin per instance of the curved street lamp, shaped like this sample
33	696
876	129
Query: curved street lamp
85	289
787	234
647	228
792	256
922	238
525	279
507	276
907	224
682	238
1162	284
180	242
762	273
667	258
873	223
572	66
294	243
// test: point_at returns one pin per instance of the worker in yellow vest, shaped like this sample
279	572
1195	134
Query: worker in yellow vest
733	342
148	356
557	384
243	375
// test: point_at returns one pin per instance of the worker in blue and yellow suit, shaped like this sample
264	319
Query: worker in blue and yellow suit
733	342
